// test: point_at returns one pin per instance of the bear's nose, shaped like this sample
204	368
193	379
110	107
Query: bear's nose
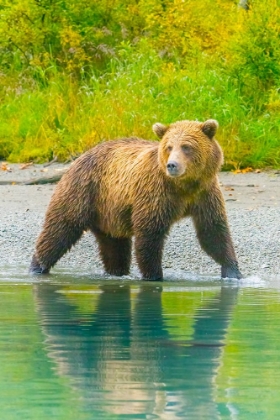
172	166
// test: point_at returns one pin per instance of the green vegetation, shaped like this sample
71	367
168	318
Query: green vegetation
75	73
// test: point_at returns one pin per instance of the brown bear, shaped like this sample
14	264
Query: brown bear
134	187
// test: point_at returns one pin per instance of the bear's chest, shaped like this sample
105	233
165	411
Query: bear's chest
182	199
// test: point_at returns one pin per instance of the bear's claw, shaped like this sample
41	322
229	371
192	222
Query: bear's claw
231	273
36	268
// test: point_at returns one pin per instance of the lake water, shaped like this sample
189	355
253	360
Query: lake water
73	347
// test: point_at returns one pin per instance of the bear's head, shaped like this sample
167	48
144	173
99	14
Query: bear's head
188	149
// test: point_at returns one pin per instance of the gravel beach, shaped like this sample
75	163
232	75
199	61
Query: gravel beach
253	208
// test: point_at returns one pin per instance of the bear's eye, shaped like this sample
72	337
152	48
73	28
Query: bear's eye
186	148
169	148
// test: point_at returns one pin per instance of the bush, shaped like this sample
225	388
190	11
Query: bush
75	73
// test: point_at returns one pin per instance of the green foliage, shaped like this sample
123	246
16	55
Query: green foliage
256	48
75	73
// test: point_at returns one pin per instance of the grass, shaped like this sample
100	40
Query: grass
59	116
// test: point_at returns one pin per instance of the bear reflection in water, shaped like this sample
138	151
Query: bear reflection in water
121	357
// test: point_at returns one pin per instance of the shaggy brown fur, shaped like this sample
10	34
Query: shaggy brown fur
136	187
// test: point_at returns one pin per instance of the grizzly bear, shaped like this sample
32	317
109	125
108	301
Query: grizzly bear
134	187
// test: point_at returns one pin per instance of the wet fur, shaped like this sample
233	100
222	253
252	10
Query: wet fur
120	189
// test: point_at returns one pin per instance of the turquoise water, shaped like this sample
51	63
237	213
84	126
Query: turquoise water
73	347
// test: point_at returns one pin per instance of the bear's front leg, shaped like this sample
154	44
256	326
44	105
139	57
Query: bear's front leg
148	249
213	232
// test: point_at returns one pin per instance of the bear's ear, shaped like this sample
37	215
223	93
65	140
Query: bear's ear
210	127
160	129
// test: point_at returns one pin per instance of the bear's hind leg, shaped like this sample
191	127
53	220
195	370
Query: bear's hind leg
54	241
115	253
